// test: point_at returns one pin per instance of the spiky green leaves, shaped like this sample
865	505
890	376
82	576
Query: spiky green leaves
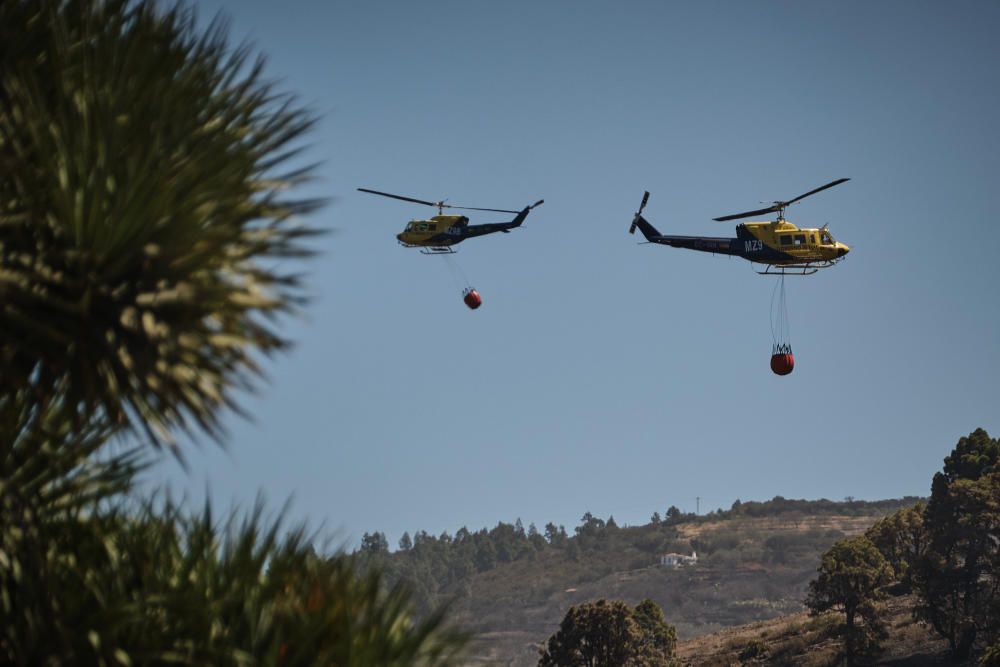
141	206
54	538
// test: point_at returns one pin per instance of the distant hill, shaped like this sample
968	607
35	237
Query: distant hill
511	586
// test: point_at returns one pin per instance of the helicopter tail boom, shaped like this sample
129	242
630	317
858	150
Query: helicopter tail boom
522	214
505	227
648	230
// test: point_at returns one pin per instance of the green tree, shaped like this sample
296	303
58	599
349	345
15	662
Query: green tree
590	526
850	576
486	555
374	544
958	577
555	535
655	519
973	456
536	539
608	634
991	657
659	637
405	543
902	540
673	514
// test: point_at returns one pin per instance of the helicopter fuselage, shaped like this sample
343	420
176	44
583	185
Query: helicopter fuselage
778	243
443	231
775	243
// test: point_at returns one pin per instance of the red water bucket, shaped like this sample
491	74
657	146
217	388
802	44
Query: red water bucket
472	299
782	364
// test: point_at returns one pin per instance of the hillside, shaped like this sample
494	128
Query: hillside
754	564
800	640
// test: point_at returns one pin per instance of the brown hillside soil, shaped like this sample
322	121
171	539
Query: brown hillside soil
849	525
799	639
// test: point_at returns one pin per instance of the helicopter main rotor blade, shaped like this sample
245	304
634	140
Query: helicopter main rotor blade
747	214
780	205
441	204
472	208
819	189
410	199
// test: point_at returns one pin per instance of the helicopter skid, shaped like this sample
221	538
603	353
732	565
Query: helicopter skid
806	269
429	250
437	251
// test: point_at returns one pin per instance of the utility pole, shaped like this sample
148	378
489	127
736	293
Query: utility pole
697	504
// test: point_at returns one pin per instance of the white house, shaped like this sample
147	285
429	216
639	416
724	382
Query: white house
677	560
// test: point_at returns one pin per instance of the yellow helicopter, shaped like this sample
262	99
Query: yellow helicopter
777	244
437	235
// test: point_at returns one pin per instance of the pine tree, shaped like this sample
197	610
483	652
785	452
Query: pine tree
850	578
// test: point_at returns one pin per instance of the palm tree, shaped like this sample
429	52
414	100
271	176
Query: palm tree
143	171
143	167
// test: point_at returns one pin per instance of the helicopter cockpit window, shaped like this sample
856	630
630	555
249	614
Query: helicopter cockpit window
786	239
825	239
409	226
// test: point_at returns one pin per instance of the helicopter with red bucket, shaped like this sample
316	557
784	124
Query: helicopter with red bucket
781	247
778	245
437	235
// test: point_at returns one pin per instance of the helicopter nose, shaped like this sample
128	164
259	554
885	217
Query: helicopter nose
842	250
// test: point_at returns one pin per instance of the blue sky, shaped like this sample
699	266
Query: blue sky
601	375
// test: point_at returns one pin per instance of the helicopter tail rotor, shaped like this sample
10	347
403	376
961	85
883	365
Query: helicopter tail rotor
638	214
649	231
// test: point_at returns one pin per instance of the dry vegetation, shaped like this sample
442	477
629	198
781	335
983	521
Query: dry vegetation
814	642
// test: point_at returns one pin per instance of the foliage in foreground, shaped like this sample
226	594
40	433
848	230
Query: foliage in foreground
87	579
142	166
141	171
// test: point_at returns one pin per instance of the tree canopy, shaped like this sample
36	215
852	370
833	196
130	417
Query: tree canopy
611	634
958	575
850	576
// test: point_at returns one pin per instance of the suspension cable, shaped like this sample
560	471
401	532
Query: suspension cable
457	275
780	328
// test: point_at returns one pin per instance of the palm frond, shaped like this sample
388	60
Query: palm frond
57	495
144	170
